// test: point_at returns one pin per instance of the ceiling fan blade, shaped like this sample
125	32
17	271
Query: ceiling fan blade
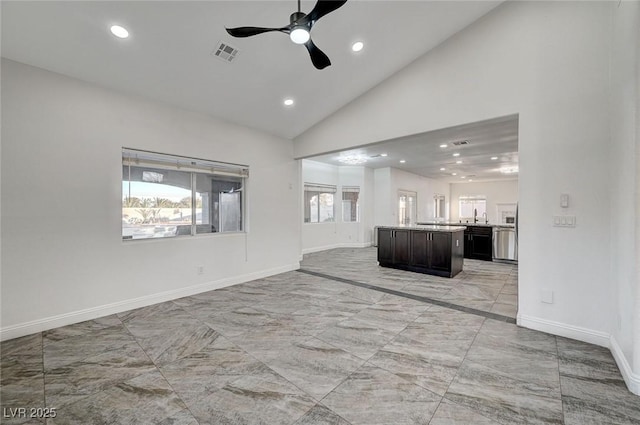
322	8
249	31
318	58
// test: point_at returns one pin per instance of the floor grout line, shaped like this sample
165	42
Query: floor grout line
486	314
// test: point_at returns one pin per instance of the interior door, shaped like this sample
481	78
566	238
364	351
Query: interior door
407	208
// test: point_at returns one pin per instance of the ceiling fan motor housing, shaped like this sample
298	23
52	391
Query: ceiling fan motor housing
297	16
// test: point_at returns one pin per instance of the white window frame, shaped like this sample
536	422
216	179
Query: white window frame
315	189
409	215
353	205
158	163
475	202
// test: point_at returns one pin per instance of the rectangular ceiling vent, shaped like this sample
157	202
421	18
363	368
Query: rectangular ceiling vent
461	143
225	52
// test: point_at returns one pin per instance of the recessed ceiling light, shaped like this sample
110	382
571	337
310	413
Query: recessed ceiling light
442	169
444	145
493	158
463	177
470	180
352	159
458	162
357	46
383	154
288	102
456	154
402	161
119	31
454	174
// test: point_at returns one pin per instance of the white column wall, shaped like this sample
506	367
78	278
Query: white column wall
624	211
549	62
63	257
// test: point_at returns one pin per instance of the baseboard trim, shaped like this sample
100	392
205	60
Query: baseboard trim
565	330
34	326
631	379
602	339
337	245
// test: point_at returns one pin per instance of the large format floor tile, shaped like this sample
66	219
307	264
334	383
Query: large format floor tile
263	398
375	396
341	342
145	399
430	350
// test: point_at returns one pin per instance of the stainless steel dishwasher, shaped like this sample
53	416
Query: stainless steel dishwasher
505	244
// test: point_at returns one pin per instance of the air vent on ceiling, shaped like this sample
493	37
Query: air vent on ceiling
460	143
225	52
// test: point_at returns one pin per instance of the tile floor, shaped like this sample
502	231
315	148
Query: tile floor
298	348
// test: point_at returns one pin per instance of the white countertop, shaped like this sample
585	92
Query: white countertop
430	227
452	223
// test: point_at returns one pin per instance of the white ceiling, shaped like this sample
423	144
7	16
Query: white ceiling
168	58
423	155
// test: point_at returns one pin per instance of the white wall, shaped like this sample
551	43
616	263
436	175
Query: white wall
548	62
63	258
624	206
388	181
322	236
497	192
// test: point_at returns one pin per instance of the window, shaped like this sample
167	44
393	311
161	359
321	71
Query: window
167	196
438	206
472	206
318	203
350	204
407	208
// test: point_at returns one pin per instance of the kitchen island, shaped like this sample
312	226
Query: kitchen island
480	241
429	249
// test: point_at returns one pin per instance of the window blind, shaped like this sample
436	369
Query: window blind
133	157
313	187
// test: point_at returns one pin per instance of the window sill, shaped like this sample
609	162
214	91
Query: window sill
184	237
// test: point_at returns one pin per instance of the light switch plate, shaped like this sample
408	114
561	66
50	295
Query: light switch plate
564	221
564	200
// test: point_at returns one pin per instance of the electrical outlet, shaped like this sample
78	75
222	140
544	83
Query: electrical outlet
200	269
546	296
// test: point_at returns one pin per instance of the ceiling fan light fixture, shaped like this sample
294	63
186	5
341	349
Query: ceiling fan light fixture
299	34
119	31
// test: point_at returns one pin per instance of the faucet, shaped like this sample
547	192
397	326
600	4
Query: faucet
486	219
475	215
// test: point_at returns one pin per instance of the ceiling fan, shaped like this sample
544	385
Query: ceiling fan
299	29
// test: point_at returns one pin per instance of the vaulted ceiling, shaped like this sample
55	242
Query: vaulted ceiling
169	57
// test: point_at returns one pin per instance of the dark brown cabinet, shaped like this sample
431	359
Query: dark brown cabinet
478	243
432	252
393	246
